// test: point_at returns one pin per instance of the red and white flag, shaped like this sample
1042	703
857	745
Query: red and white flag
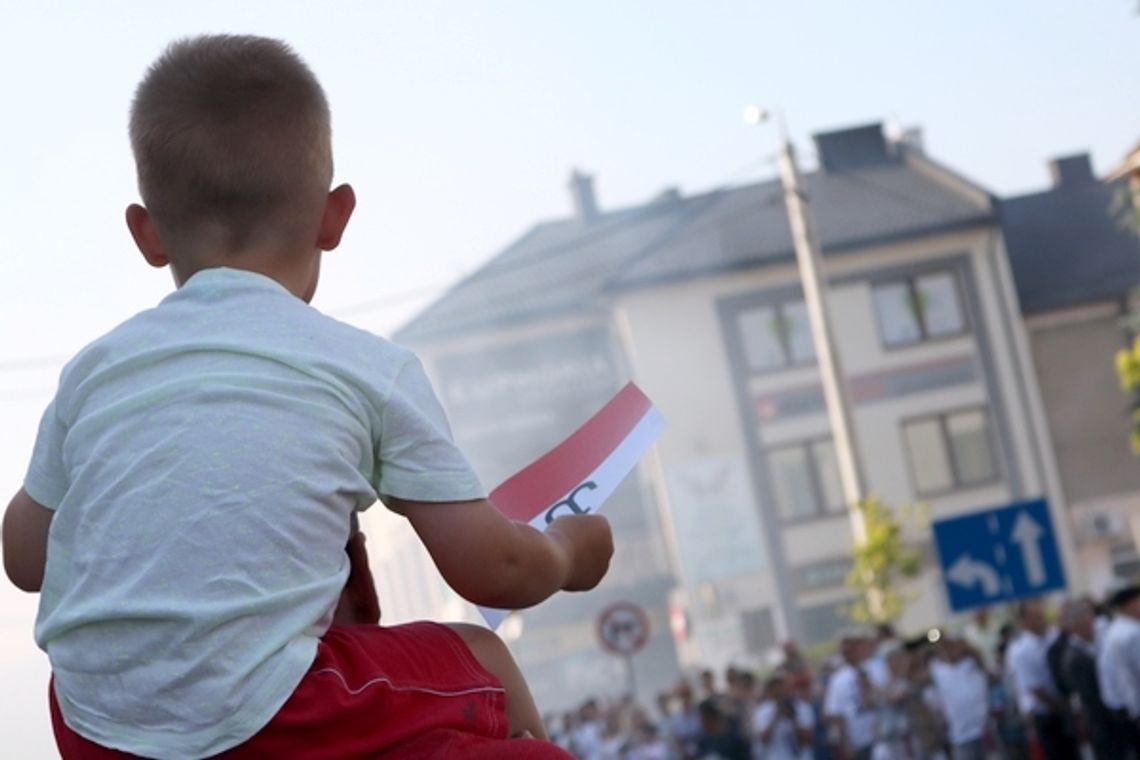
579	474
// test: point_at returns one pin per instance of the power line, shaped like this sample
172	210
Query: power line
33	363
24	394
386	301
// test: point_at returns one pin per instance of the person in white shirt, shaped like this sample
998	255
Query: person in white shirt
849	705
982	634
782	724
962	685
1119	663
1038	697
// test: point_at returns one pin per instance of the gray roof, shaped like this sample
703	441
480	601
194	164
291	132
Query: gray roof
571	266
1067	249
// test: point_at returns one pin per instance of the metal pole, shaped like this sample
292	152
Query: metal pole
630	678
830	368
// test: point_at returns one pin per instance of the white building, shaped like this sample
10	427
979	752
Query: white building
733	535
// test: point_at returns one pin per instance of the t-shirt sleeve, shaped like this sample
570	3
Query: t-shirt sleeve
418	460
46	481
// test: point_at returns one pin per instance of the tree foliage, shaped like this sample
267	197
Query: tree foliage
1128	370
884	562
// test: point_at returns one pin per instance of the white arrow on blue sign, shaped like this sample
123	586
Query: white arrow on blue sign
999	555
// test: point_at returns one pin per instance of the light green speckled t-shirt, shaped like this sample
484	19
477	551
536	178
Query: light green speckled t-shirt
203	460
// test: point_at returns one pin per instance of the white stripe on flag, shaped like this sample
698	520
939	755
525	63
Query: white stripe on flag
605	478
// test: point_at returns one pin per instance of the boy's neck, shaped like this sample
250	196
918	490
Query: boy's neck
297	273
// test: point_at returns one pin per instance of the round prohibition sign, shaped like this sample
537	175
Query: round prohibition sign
623	629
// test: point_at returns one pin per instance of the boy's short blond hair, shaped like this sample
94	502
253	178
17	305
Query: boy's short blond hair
231	132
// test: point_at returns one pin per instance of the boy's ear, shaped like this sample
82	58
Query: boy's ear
142	228
338	210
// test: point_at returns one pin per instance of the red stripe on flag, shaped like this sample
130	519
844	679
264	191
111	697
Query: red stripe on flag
549	478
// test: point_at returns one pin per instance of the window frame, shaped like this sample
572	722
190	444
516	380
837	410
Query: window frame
821	510
777	305
910	282
957	485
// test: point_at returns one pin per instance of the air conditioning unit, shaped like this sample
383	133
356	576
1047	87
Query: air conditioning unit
1096	527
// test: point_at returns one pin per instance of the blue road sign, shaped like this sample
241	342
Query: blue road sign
999	555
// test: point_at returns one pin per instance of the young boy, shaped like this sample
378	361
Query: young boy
191	489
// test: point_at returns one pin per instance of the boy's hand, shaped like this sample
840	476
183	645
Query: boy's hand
492	561
590	544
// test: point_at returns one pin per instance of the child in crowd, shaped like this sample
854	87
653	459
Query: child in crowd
192	485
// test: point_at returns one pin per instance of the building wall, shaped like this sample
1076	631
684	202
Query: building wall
687	356
1089	423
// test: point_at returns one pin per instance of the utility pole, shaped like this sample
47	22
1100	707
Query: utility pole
835	395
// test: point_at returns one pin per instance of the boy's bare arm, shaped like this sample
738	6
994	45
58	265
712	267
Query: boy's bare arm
25	531
493	561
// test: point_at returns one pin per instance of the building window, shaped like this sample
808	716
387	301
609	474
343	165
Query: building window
824	622
776	336
950	451
805	480
919	308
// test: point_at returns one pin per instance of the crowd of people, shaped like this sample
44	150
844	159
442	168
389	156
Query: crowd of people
1038	683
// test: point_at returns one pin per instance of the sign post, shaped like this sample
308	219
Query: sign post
999	555
623	630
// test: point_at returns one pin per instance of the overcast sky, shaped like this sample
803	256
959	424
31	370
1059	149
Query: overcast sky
459	123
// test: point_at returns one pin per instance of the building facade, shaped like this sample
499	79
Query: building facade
733	534
1075	266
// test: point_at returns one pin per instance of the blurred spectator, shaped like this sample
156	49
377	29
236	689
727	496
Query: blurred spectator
782	724
885	641
960	679
893	735
648	744
707	684
1119	665
849	705
586	741
982	634
1078	666
1038	697
686	724
719	738
1011	731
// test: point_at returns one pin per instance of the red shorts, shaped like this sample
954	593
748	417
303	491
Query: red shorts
408	691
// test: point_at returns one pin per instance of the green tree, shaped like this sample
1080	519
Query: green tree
883	562
1126	210
1128	370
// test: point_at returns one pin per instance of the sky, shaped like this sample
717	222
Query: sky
459	123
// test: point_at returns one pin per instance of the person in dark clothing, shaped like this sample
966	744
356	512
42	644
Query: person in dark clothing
1078	671
1038	696
719	737
1053	658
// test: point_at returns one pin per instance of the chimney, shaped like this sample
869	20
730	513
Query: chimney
1071	171
914	139
582	193
667	197
853	148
